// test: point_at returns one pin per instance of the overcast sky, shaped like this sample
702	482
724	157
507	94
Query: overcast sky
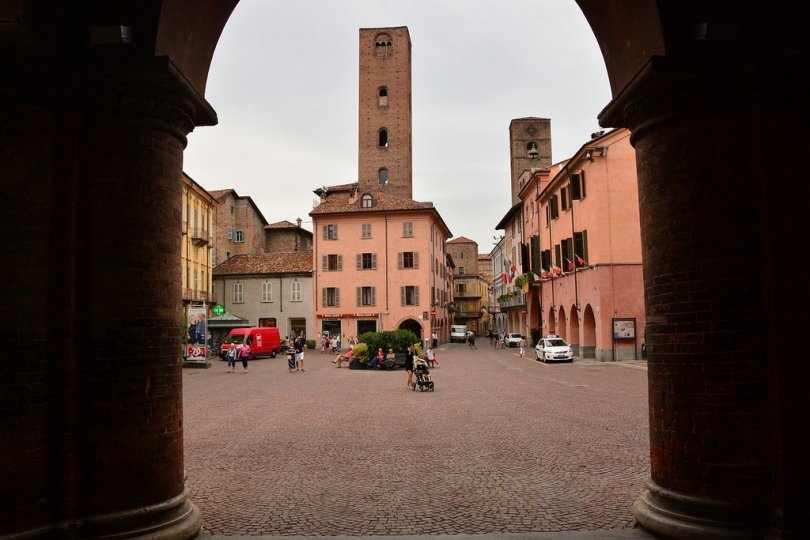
284	83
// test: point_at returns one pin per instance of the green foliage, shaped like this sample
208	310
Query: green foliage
310	344
396	339
361	352
521	280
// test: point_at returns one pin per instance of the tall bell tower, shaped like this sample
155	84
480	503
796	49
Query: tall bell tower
385	150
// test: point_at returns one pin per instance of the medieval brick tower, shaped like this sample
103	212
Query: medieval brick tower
385	149
529	148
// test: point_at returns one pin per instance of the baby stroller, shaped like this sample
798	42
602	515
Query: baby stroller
424	382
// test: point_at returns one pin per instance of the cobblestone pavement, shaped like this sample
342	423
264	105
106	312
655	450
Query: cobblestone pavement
504	445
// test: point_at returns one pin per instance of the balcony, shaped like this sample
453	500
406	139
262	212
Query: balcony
512	300
196	295
468	315
199	237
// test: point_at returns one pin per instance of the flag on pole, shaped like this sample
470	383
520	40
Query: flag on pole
580	260
555	270
570	264
535	277
545	274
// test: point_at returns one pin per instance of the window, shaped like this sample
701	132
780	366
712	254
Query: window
461	270
383	45
407	259
331	296
366	200
382	176
407	229
410	295
239	235
553	207
330	232
230	231
366	261
365	230
461	288
581	249
383	96
564	197
365	296
382	138
295	291
332	263
267	292
238	297
578	186
531	149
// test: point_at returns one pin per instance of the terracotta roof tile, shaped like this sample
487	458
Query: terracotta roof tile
281	225
341	202
266	263
461	240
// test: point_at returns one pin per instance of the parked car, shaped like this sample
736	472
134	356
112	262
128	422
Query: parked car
553	348
458	333
513	340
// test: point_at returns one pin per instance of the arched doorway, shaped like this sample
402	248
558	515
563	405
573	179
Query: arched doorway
414	326
573	334
588	332
562	324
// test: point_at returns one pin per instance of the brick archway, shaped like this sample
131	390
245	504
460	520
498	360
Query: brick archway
715	95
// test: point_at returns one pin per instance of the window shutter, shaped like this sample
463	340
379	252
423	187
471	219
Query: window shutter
336	233
337	296
324	262
323	301
373	297
399	261
373	261
416	259
359	261
325	231
359	296
402	294
416	296
340	262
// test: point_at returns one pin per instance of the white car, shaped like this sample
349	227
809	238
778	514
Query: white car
513	340
553	348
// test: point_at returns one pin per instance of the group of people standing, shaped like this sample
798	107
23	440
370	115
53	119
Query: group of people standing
235	354
334	343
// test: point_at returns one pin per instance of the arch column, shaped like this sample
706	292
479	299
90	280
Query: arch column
709	138
93	402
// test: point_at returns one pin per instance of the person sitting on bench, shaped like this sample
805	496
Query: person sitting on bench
344	357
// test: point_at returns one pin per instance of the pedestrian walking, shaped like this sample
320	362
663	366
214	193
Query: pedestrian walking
230	356
409	365
430	356
299	353
435	340
522	346
244	354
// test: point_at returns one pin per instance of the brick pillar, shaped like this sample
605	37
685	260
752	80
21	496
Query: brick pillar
90	396
709	141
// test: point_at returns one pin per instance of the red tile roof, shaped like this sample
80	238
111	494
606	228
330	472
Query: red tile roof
461	240
266	263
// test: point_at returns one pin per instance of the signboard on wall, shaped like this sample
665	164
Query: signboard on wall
624	328
196	338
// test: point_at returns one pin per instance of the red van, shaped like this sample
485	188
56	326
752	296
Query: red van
263	341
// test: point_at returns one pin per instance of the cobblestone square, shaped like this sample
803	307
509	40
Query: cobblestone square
504	445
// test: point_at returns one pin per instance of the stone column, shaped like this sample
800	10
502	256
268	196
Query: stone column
710	160
92	432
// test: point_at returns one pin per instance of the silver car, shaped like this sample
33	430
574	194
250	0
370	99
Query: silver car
553	349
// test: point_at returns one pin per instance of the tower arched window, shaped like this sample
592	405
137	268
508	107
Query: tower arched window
531	149
382	176
383	96
382	138
383	46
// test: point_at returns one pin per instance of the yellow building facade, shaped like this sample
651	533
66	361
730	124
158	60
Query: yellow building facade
197	244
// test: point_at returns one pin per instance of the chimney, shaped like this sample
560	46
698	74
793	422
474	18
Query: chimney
298	222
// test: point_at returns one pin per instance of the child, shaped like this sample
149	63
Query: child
431	357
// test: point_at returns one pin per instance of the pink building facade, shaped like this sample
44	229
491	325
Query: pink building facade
380	264
581	220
